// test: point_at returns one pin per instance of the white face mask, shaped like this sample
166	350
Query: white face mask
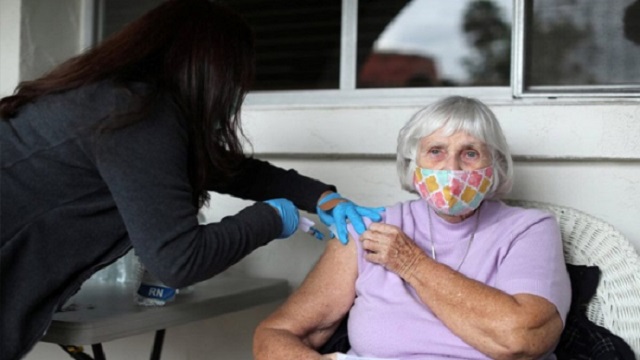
453	192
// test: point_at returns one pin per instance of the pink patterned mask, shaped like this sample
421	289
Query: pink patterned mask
453	192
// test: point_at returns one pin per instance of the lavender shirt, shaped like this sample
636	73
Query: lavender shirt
515	250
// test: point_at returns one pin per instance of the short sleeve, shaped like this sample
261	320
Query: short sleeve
534	264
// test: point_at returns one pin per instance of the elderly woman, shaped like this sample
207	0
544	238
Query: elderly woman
453	274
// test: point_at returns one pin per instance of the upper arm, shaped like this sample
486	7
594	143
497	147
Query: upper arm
535	265
144	165
534	274
315	309
260	180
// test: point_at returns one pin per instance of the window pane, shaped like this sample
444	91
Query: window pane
118	13
418	43
297	42
583	42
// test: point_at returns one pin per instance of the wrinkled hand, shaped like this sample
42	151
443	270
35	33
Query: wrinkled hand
388	246
334	210
289	214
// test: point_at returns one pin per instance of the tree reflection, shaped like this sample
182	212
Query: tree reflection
554	47
631	21
490	36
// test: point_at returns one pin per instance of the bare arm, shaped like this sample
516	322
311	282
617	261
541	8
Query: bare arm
312	313
497	324
500	325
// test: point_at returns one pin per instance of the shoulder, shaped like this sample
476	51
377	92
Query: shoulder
102	93
92	102
501	212
516	222
405	213
392	214
119	97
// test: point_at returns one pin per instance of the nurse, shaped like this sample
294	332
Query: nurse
119	148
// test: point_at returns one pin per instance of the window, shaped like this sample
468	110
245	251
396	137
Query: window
429	43
398	43
113	15
297	43
372	48
304	45
577	48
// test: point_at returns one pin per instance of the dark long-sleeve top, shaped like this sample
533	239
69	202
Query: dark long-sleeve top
73	200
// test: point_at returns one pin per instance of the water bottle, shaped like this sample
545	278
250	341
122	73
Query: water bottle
151	291
121	272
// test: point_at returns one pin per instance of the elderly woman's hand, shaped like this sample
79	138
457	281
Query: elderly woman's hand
388	246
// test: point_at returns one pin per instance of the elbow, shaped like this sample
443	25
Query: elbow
176	277
267	341
520	342
179	278
518	349
175	282
259	345
170	280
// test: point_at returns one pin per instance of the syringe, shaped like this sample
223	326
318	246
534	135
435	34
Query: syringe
306	225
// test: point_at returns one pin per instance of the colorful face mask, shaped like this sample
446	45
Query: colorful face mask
453	192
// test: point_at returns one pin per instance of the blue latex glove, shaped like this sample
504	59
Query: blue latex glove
337	216
289	214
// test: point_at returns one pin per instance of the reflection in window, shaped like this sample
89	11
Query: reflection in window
434	43
115	14
584	42
297	43
400	43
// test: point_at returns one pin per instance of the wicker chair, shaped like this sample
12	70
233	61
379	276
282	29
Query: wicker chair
591	241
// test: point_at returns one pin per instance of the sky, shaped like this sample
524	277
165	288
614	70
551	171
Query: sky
433	28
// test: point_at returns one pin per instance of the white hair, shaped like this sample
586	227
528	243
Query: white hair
453	114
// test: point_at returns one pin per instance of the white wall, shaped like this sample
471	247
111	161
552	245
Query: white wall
583	154
46	31
36	35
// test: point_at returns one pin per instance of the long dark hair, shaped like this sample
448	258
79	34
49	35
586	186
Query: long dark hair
198	52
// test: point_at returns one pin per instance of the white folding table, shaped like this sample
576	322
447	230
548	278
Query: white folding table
104	312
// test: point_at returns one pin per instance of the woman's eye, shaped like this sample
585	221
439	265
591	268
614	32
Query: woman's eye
471	154
435	152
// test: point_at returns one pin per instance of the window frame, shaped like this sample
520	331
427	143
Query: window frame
348	95
522	10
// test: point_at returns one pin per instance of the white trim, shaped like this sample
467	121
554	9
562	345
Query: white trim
369	97
518	49
87	36
592	91
568	130
98	19
392	157
10	30
348	44
402	97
